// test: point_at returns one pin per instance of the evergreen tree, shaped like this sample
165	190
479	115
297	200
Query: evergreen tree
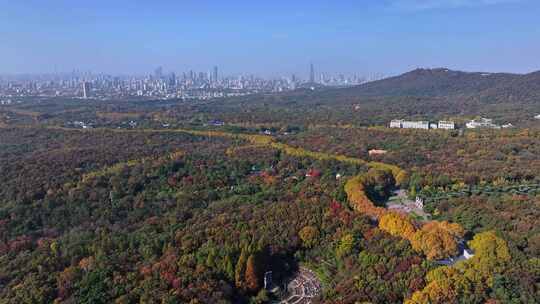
252	274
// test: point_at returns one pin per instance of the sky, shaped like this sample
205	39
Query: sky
269	38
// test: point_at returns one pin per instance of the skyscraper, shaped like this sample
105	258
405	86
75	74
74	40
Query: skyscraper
86	89
215	75
158	73
311	73
172	80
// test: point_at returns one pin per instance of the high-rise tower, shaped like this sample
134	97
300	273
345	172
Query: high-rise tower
215	75
158	73
86	89
311	73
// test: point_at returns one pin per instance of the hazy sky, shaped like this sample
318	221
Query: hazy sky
269	37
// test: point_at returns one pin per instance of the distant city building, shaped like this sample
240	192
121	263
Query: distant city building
172	80
433	125
215	74
482	123
537	116
447	125
188	85
86	89
158	73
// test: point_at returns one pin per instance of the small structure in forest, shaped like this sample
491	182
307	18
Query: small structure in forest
373	152
268	280
467	253
313	173
482	123
419	203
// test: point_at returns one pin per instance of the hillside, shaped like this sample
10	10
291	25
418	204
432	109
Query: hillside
485	87
522	89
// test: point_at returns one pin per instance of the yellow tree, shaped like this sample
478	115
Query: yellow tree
445	285
438	240
397	224
491	256
309	236
452	284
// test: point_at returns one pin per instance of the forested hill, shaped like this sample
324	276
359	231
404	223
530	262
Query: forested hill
441	82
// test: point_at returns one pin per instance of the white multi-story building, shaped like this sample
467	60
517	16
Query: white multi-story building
396	123
537	116
415	125
422	124
482	123
447	125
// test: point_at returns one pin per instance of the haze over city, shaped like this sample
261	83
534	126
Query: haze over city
269	38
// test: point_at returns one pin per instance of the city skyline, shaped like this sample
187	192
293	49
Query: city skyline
270	39
310	75
162	84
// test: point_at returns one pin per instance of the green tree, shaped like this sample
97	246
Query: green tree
240	271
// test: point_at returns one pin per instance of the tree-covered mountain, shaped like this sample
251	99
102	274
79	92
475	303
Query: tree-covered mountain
469	86
434	82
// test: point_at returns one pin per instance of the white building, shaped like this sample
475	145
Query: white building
419	203
404	124
537	116
482	123
447	125
415	125
396	123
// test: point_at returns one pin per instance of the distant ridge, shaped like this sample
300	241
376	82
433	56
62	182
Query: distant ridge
436	82
442	82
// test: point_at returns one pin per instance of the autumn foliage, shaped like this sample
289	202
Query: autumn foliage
397	225
309	236
356	193
252	274
461	281
438	240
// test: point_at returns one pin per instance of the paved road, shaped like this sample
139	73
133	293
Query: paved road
303	287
